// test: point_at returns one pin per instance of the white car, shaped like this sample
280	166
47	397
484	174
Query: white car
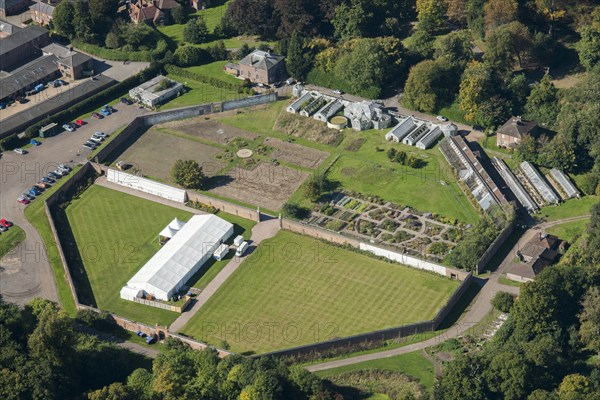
20	151
97	139
337	91
441	118
68	127
290	81
65	167
101	134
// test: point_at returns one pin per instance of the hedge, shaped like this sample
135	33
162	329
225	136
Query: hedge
95	101
122	55
184	73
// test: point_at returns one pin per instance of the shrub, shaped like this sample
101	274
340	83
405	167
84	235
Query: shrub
292	210
188	174
503	301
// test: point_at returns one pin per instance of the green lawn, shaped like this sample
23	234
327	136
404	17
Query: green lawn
116	235
412	364
309	291
569	230
369	171
570	208
199	93
10	238
36	215
215	70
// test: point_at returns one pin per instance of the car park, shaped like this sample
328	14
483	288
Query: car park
45	179
126	101
23	200
20	151
5	223
97	116
34	142
68	127
441	118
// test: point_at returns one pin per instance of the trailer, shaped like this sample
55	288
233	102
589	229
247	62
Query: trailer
221	252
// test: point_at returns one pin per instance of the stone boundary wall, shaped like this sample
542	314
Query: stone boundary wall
164	306
380	335
226	206
318	233
494	247
130	130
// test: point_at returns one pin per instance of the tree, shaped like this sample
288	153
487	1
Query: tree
542	103
552	10
294	211
178	15
463	379
116	391
476	86
350	21
431	14
252	17
186	56
499	12
218	51
503	301
456	47
589	317
589	182
558	153
573	387
429	86
456	10
421	43
296	63
188	174
113	41
140	382
589	46
527	150
508	44
82	22
296	16
63	17
475	17
102	14
195	31
363	67
316	185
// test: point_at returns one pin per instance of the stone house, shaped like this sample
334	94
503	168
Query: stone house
156	11
262	67
512	132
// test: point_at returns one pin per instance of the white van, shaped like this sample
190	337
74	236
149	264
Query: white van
238	240
241	249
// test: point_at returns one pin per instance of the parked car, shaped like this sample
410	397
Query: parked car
3	228
97	116
441	118
101	134
96	139
60	172
89	146
65	167
80	122
5	223
20	151
42	185
23	200
32	193
338	92
45	179
68	127
35	142
36	190
105	112
52	175
290	81
62	83
27	196
125	100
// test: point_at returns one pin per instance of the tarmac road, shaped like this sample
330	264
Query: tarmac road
25	272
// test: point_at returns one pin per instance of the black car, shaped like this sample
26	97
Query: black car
27	196
52	175
126	101
36	190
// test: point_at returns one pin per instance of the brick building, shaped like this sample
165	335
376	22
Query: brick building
512	132
21	46
262	67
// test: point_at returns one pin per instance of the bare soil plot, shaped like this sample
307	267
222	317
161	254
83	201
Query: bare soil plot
267	185
308	128
209	130
296	154
154	153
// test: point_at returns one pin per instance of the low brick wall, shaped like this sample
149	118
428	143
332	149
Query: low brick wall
318	233
164	306
248	101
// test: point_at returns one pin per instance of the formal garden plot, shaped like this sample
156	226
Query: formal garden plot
404	228
210	130
155	152
296	154
267	185
306	290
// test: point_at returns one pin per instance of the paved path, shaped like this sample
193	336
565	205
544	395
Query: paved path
480	307
260	232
